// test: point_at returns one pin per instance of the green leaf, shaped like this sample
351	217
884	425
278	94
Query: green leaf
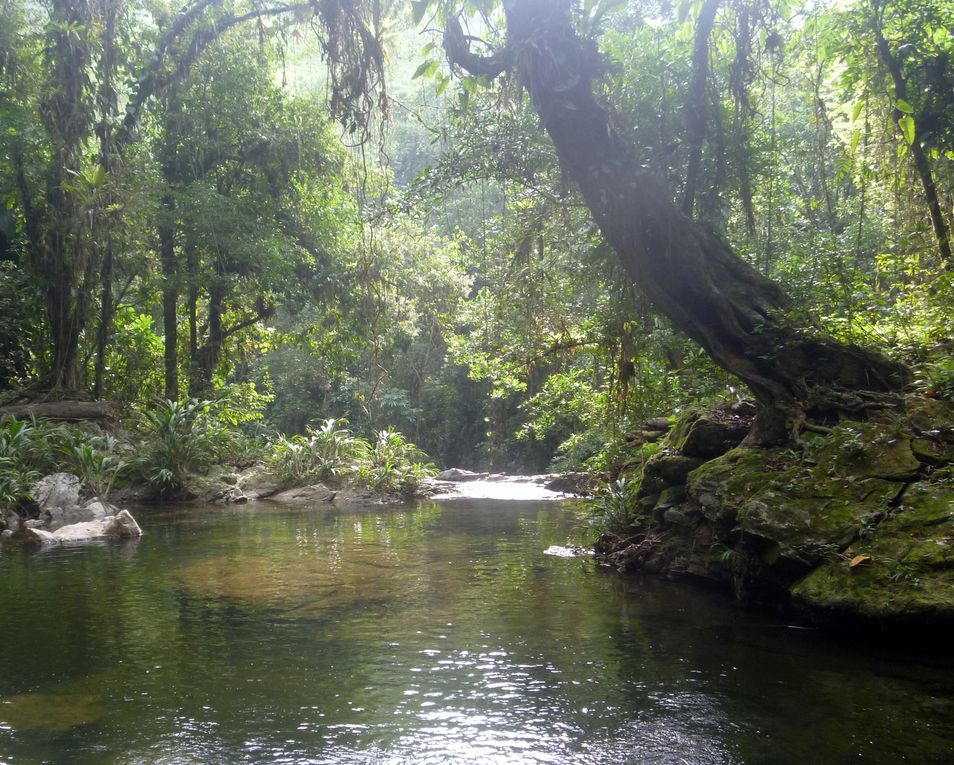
442	85
904	106
906	123
856	112
425	70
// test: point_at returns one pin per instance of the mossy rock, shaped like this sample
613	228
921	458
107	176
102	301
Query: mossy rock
904	570
870	450
786	512
708	434
928	415
933	451
672	469
671	497
720	485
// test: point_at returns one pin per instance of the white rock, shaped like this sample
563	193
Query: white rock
119	526
39	536
57	490
99	509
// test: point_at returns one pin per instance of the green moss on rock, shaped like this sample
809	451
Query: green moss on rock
909	569
707	434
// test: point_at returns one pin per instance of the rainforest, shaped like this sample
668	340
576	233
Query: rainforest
435	380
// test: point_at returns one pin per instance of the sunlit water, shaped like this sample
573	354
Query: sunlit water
439	633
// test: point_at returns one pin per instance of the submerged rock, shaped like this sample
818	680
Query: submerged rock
567	551
119	526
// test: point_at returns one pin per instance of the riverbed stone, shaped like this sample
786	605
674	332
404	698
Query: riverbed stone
568	483
306	495
122	525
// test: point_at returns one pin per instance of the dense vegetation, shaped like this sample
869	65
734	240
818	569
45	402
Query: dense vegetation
198	211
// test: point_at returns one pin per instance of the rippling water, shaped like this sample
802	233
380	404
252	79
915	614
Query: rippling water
439	633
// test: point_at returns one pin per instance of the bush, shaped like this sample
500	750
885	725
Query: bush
323	453
32	448
615	508
391	464
395	465
184	438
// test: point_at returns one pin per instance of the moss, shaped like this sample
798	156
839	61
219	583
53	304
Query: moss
784	509
909	572
869	450
707	434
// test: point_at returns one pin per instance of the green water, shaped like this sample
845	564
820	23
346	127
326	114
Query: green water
433	634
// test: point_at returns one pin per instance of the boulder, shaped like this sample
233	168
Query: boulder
672	469
60	490
903	569
119	526
258	483
96	509
569	483
708	434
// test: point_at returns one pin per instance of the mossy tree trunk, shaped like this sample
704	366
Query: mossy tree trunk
741	318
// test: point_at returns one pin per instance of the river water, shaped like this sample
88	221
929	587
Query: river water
438	633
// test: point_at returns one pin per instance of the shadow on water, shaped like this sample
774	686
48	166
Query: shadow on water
438	633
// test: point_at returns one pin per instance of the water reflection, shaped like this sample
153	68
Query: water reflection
438	633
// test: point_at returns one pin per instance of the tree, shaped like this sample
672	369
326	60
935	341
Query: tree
743	320
68	157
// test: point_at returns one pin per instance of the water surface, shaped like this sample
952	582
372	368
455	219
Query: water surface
438	633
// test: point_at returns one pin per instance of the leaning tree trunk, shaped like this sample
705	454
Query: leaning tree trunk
691	274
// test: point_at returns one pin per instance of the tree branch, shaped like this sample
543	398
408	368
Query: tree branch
457	48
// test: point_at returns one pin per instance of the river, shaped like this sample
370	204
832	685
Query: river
434	633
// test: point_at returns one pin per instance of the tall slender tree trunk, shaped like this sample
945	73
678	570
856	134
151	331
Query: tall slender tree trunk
62	258
690	274
207	357
106	99
170	297
941	231
697	108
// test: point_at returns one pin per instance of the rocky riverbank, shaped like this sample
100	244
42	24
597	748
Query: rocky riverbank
62	515
854	523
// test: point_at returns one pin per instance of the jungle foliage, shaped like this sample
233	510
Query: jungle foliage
223	203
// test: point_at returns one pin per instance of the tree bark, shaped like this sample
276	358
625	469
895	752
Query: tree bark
107	101
697	109
691	274
170	297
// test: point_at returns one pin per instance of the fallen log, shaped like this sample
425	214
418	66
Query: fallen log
67	411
